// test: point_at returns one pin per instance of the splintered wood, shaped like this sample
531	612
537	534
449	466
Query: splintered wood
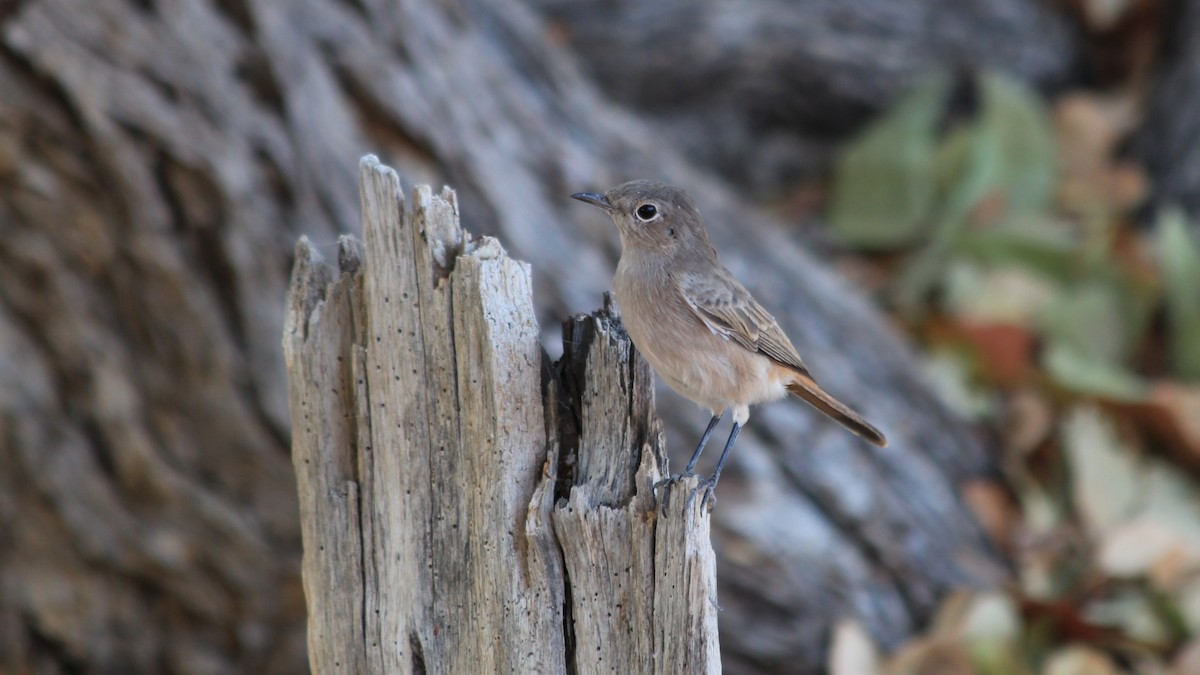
466	505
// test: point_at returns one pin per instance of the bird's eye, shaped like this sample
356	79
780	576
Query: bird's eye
646	212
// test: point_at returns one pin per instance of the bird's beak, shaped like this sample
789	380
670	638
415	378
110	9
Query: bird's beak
593	199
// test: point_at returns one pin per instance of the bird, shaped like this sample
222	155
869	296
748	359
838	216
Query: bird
699	328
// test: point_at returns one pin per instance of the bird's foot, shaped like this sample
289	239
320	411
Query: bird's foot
707	486
668	483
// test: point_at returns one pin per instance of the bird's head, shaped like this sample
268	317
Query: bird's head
652	217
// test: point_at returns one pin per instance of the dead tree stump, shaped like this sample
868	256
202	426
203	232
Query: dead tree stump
465	506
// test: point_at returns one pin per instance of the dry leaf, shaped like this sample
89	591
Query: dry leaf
1106	478
1125	185
1088	131
1090	127
1187	661
927	656
852	652
1188	599
1171	415
1140	513
1079	660
1005	351
1007	295
1029	421
990	617
950	615
1064	622
1173	502
1105	14
1172	569
1134	548
994	509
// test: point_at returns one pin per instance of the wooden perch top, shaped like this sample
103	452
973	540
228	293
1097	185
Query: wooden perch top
459	513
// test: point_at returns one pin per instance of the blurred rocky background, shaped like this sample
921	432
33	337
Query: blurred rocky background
976	218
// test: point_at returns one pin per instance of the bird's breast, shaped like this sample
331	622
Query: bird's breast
694	361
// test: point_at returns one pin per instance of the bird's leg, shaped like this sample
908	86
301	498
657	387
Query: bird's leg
709	484
712	424
691	465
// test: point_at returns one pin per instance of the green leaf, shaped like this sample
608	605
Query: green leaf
1008	294
1005	153
948	373
1087	376
1179	257
1189	604
1040	245
1027	148
1087	319
883	187
1185	346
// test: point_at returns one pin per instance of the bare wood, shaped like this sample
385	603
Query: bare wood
417	374
462	575
318	341
643	586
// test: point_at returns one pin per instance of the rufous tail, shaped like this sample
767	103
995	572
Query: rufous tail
807	389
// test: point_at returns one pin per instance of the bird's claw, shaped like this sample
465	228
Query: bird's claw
706	485
709	500
667	483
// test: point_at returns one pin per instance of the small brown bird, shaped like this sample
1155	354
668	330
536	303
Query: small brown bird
696	324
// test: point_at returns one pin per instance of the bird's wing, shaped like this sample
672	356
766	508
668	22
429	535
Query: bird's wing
728	309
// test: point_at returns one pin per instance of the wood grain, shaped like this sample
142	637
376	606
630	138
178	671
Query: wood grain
428	470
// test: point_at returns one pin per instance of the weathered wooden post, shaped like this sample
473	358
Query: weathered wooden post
466	505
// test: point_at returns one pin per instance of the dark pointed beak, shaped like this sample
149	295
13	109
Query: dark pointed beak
593	199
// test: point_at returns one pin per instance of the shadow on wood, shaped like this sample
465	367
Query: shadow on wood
465	506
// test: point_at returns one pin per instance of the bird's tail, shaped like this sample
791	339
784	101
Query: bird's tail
806	388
